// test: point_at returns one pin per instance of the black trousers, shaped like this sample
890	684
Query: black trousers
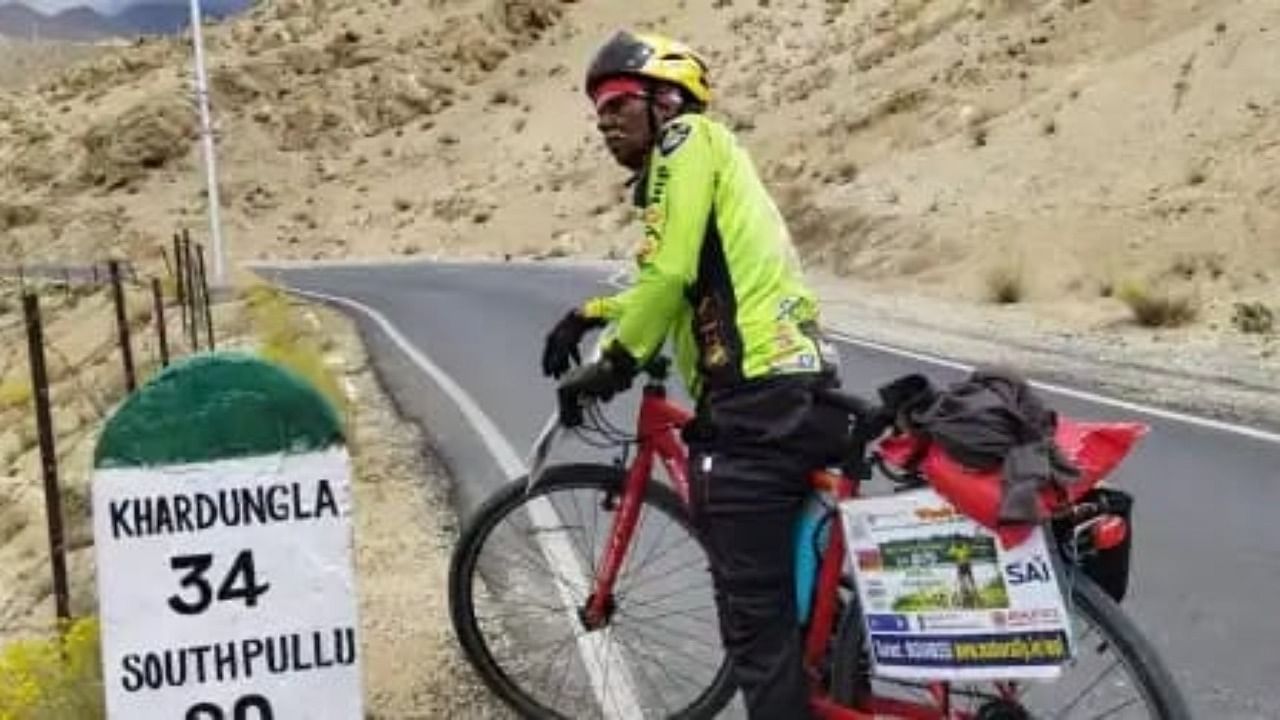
751	451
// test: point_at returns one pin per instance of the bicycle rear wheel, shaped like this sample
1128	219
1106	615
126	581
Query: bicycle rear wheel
522	571
1116	674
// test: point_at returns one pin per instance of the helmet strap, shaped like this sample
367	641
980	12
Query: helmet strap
651	105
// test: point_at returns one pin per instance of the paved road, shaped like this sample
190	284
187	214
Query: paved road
1206	585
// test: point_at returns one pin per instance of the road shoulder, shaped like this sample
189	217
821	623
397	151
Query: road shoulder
405	529
1177	370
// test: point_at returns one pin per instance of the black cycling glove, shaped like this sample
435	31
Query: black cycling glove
562	342
602	379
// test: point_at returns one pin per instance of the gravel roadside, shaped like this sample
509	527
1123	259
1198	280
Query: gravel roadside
405	528
1221	375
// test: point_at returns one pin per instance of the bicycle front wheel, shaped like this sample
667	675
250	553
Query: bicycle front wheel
1116	673
522	573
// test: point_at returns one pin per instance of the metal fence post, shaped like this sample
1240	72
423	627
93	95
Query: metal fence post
122	324
48	456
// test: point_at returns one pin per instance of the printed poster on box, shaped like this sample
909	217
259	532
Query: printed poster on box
943	601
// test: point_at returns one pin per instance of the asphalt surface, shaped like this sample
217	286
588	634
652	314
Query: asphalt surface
1206	576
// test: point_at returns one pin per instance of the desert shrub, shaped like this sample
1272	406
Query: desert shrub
1006	283
283	339
1253	317
1154	306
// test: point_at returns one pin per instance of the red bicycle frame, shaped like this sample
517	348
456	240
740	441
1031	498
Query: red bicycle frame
659	424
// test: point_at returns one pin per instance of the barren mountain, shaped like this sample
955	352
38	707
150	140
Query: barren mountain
17	20
1078	151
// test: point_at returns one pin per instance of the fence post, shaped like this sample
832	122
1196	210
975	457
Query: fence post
179	275
189	261
122	324
204	295
157	298
48	456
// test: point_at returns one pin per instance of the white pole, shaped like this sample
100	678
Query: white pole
206	136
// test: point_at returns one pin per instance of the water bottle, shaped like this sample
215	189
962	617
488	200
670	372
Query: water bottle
810	535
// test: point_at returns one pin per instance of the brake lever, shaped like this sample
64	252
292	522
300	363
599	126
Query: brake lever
551	432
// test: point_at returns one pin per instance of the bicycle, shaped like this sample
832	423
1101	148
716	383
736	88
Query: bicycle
635	654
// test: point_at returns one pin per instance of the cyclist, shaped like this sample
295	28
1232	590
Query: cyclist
719	276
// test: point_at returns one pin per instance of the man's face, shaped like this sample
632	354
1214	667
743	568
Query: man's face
624	123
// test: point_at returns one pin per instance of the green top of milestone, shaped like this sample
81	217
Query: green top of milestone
218	406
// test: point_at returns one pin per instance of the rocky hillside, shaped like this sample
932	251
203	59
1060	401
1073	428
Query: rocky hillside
1072	149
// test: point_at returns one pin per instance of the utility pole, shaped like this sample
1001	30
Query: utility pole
206	136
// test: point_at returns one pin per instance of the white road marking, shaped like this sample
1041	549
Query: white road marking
1219	425
610	676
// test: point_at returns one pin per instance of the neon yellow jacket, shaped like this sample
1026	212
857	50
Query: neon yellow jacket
717	271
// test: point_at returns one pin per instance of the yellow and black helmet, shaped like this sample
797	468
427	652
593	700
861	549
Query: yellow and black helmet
652	57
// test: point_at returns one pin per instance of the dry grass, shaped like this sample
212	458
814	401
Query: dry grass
284	339
1253	318
1006	283
1154	306
14	393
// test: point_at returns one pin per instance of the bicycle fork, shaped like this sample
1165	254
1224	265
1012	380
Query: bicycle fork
600	605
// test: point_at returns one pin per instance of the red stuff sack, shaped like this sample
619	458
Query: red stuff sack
1096	448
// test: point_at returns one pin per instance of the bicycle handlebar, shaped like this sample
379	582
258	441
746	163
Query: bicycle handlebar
861	410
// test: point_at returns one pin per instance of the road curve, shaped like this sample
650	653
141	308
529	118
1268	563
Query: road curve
1207	549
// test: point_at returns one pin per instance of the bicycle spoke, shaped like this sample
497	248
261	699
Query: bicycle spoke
685	612
708	628
564	676
662	663
679	564
654	603
597	553
1115	709
523	613
666	575
548	666
607	667
589	552
1087	689
633	566
652	689
544	569
534	650
640	633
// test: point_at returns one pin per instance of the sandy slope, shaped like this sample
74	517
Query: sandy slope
920	144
